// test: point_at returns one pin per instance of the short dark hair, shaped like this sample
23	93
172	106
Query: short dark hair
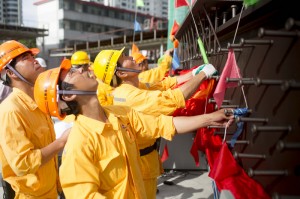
118	80
7	80
13	62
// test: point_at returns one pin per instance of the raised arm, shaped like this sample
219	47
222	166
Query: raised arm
190	87
191	123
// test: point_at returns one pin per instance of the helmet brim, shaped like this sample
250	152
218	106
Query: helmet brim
34	51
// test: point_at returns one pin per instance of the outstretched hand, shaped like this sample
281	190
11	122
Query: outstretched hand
208	69
220	118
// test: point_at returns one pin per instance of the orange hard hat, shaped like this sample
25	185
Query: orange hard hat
138	57
45	90
11	49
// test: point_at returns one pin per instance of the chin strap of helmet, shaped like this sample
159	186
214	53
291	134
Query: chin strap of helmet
19	75
128	70
76	92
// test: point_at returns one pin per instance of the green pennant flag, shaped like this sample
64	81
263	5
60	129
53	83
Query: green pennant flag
202	50
140	3
250	2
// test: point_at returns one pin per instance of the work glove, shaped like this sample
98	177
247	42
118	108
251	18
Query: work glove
208	69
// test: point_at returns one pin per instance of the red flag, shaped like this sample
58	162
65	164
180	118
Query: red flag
228	175
179	3
165	154
175	28
230	70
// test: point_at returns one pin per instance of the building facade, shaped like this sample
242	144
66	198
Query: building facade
75	22
157	8
11	12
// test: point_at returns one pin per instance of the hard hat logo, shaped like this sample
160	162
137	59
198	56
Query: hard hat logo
105	64
11	49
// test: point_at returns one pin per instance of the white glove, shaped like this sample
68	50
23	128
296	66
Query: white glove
208	69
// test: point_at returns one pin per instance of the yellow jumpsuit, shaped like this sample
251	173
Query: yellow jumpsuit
104	94
154	103
25	129
149	80
168	100
101	160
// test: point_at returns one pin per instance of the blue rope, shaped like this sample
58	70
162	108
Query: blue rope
240	125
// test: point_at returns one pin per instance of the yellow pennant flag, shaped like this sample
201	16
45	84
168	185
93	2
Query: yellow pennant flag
140	3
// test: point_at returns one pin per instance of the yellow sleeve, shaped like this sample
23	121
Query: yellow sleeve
104	93
21	154
79	175
158	73
150	126
149	102
163	85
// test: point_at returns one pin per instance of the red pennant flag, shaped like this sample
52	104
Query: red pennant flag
175	28
230	70
194	152
165	154
179	3
228	175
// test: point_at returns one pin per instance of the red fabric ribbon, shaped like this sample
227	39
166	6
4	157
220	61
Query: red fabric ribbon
228	175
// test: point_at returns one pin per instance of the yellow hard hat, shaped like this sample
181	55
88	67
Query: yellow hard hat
80	58
105	64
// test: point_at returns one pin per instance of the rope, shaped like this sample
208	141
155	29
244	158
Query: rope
238	23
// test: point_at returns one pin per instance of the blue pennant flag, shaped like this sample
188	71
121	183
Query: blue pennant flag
240	125
175	60
137	26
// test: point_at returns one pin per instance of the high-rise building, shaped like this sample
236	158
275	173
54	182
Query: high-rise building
72	22
11	12
157	8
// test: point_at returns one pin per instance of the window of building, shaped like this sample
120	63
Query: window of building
111	13
66	5
78	7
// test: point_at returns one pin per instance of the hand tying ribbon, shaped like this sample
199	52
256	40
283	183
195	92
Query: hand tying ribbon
240	125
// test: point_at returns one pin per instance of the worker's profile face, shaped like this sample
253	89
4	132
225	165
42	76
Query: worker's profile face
128	62
28	67
79	78
144	65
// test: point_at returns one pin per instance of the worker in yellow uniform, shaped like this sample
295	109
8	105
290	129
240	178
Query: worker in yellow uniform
81	59
154	79
101	158
155	74
28	149
150	102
